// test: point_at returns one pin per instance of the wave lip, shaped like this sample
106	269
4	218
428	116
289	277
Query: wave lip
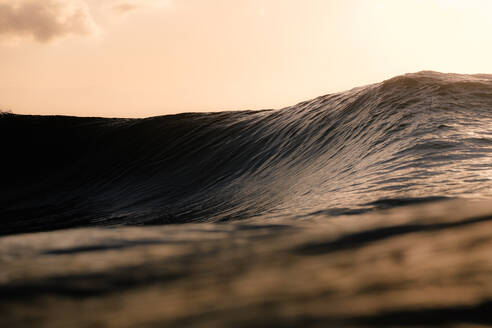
418	135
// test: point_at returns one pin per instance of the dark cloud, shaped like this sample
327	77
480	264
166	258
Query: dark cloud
44	20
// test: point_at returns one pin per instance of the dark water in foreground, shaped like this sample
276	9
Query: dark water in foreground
413	137
366	208
423	266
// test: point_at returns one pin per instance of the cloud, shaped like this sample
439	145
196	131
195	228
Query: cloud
125	6
44	20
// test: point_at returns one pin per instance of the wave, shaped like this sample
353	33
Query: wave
424	135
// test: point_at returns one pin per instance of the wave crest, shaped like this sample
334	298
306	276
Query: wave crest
424	134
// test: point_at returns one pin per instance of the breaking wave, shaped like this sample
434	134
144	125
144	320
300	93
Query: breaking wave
416	137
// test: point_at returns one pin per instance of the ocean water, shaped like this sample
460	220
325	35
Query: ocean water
369	207
411	138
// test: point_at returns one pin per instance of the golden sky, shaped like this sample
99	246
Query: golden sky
138	58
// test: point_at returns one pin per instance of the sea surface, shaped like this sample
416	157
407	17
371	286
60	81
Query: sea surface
411	137
369	207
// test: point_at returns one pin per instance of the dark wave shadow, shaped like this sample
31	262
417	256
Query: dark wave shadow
360	239
439	316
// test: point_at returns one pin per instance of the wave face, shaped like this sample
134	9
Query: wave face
415	137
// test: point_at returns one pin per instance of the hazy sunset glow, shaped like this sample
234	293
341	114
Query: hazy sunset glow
155	57
245	163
